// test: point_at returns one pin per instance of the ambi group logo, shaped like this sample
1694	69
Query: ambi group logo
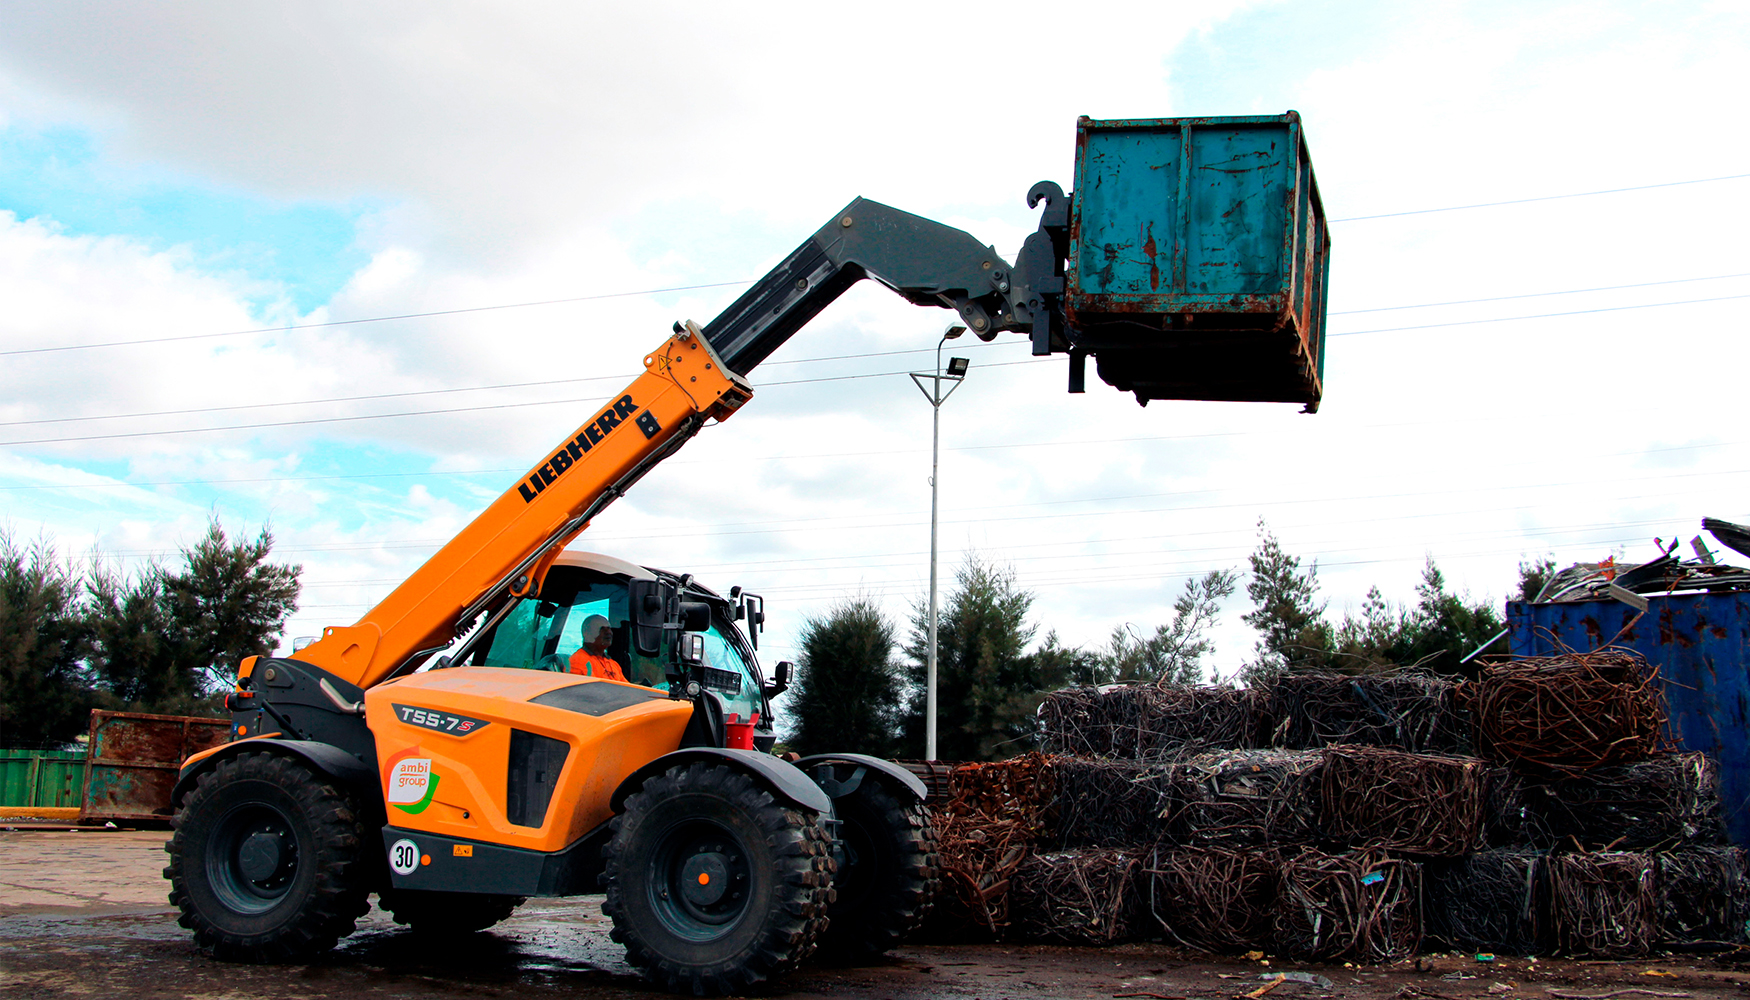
411	781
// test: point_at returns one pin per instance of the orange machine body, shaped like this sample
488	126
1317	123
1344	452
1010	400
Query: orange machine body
444	743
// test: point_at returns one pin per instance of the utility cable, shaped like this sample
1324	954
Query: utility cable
1509	319
730	284
366	319
1547	197
1537	295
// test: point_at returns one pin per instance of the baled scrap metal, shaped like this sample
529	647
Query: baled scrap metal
1074	721
1504	817
1212	898
1568	714
1404	709
1492	901
1241	798
1604	904
1148	721
1703	896
1076	897
1663	801
1109	803
984	832
1426	804
1363	905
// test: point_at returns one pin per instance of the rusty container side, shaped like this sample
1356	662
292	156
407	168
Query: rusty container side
41	778
133	759
1199	258
1701	645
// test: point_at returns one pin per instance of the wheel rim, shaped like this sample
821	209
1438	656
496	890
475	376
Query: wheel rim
699	881
254	859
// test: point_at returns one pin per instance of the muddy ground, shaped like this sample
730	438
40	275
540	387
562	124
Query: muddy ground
83	914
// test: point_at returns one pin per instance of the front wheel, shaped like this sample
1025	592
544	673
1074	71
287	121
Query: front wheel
712	884
267	861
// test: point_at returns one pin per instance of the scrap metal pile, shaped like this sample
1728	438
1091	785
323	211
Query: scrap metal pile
1328	816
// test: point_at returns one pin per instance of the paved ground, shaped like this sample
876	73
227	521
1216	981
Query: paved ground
83	914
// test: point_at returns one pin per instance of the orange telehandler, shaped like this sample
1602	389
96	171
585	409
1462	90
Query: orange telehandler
457	785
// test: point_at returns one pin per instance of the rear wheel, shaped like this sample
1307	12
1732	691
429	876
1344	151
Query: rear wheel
266	863
447	913
712	884
888	876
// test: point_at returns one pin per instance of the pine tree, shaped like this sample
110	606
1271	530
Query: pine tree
848	689
45	696
988	687
1174	654
1285	610
168	642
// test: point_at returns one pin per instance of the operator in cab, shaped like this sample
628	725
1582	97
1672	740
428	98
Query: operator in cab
591	658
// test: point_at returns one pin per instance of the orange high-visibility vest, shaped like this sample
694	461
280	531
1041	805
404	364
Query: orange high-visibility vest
592	665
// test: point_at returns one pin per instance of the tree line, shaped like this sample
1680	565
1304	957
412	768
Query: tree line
77	636
860	688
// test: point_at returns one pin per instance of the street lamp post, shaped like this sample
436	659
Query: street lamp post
955	374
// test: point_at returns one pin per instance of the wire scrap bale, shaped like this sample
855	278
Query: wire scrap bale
1570	713
1406	710
1020	789
1211	898
1493	901
1246	798
1073	722
1362	905
1147	721
1659	802
1417	803
1076	897
1504	818
1702	894
1109	803
984	832
1603	904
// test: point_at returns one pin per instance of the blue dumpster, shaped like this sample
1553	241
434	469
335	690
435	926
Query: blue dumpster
1700	644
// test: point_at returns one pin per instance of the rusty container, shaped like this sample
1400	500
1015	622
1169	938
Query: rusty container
1198	260
133	759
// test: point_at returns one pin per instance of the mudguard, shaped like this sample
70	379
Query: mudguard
782	777
325	758
900	777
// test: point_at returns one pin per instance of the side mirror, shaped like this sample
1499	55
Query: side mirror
752	608
692	650
780	679
650	600
695	616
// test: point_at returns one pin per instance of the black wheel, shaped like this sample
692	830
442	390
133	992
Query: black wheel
712	884
887	876
447	913
267	861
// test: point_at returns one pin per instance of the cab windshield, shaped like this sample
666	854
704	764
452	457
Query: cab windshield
543	634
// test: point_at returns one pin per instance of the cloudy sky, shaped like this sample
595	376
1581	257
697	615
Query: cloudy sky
348	269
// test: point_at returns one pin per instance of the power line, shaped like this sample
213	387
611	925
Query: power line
440	411
729	284
1509	319
368	319
1538	295
792	526
621	379
1547	197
